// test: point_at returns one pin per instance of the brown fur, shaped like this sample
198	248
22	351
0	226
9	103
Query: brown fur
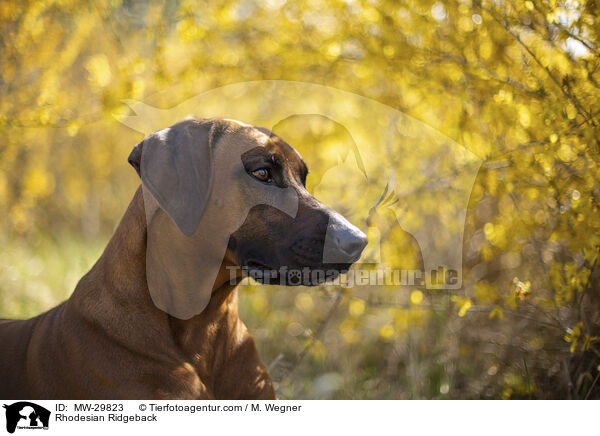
109	341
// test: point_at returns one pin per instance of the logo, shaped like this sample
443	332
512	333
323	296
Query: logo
26	415
397	172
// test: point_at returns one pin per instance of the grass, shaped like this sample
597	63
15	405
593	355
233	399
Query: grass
308	359
37	275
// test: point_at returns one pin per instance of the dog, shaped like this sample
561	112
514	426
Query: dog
141	324
25	414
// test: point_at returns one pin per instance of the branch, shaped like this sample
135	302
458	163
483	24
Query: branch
572	98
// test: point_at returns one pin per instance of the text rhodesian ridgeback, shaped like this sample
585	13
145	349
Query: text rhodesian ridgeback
109	340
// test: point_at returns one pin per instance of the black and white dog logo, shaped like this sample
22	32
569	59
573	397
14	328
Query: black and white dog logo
26	415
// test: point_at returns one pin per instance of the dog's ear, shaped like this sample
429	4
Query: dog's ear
135	157
175	165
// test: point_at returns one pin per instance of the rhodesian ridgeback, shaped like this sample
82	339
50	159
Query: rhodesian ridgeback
119	337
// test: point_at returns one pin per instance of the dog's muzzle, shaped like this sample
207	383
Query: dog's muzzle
344	242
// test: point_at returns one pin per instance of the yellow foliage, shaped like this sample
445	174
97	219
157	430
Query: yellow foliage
514	83
386	331
463	304
416	297
356	307
304	302
497	312
485	292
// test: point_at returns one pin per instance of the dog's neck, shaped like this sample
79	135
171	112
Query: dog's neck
123	266
129	242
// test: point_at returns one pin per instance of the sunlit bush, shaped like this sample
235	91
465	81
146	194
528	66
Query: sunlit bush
516	83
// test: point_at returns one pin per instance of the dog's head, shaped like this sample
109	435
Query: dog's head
220	191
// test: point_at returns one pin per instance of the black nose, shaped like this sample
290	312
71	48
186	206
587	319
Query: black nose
351	242
344	242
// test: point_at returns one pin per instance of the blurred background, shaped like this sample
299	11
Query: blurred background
515	83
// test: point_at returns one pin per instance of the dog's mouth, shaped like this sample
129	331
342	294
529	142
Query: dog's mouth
293	275
255	265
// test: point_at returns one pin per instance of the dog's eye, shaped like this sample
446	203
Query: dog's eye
262	174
